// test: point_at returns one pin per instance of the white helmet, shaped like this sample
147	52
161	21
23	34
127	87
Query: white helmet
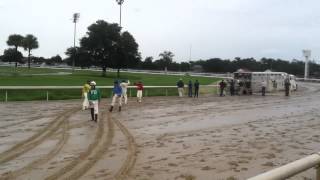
92	83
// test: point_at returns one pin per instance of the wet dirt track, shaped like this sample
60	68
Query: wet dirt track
162	138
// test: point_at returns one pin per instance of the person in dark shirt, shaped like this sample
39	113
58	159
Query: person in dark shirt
190	88
196	89
232	89
222	85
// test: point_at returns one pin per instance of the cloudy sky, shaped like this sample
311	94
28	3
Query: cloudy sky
209	28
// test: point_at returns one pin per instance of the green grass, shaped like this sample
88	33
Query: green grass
24	77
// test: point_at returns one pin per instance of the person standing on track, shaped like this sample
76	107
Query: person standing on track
117	92
263	87
222	85
124	85
190	88
232	88
287	86
85	90
94	97
196	89
180	86
139	91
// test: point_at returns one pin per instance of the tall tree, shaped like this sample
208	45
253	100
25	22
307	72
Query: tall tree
11	55
16	41
101	43
127	53
30	42
166	58
82	58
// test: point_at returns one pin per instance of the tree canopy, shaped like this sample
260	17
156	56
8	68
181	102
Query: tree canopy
11	55
105	46
15	40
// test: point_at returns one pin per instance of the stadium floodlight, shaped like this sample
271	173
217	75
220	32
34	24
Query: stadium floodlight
120	2
307	55
75	19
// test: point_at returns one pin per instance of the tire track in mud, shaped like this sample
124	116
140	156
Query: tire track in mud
37	138
95	151
22	122
62	141
130	161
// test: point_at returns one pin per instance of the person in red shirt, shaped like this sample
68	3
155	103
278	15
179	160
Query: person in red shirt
139	90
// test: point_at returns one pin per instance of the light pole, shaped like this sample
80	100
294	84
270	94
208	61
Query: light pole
120	2
307	55
75	20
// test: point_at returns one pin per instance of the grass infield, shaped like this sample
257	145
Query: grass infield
10	76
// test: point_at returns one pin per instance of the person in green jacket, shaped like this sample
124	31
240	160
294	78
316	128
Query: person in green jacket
94	97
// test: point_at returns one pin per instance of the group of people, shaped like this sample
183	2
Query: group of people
180	86
92	96
237	88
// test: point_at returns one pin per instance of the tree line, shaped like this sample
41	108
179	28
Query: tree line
218	65
106	46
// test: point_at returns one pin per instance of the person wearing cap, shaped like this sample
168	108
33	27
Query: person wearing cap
139	91
180	86
124	85
85	90
117	92
94	98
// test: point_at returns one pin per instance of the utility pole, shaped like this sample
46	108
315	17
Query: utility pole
75	20
190	51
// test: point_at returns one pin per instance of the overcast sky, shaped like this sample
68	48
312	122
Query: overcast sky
210	28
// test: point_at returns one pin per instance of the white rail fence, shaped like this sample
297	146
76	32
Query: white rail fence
292	169
47	88
308	80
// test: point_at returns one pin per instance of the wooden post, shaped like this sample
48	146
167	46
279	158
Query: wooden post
6	96
130	92
166	92
47	95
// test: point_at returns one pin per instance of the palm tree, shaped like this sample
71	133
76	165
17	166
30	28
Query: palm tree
166	58
15	40
30	42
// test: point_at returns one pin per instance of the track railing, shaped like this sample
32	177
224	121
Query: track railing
292	169
47	88
308	80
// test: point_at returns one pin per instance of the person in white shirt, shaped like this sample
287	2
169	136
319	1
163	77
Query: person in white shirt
124	85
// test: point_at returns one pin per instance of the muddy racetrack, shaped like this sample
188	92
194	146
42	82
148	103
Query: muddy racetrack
162	138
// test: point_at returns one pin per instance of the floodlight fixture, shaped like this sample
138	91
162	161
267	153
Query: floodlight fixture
76	17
